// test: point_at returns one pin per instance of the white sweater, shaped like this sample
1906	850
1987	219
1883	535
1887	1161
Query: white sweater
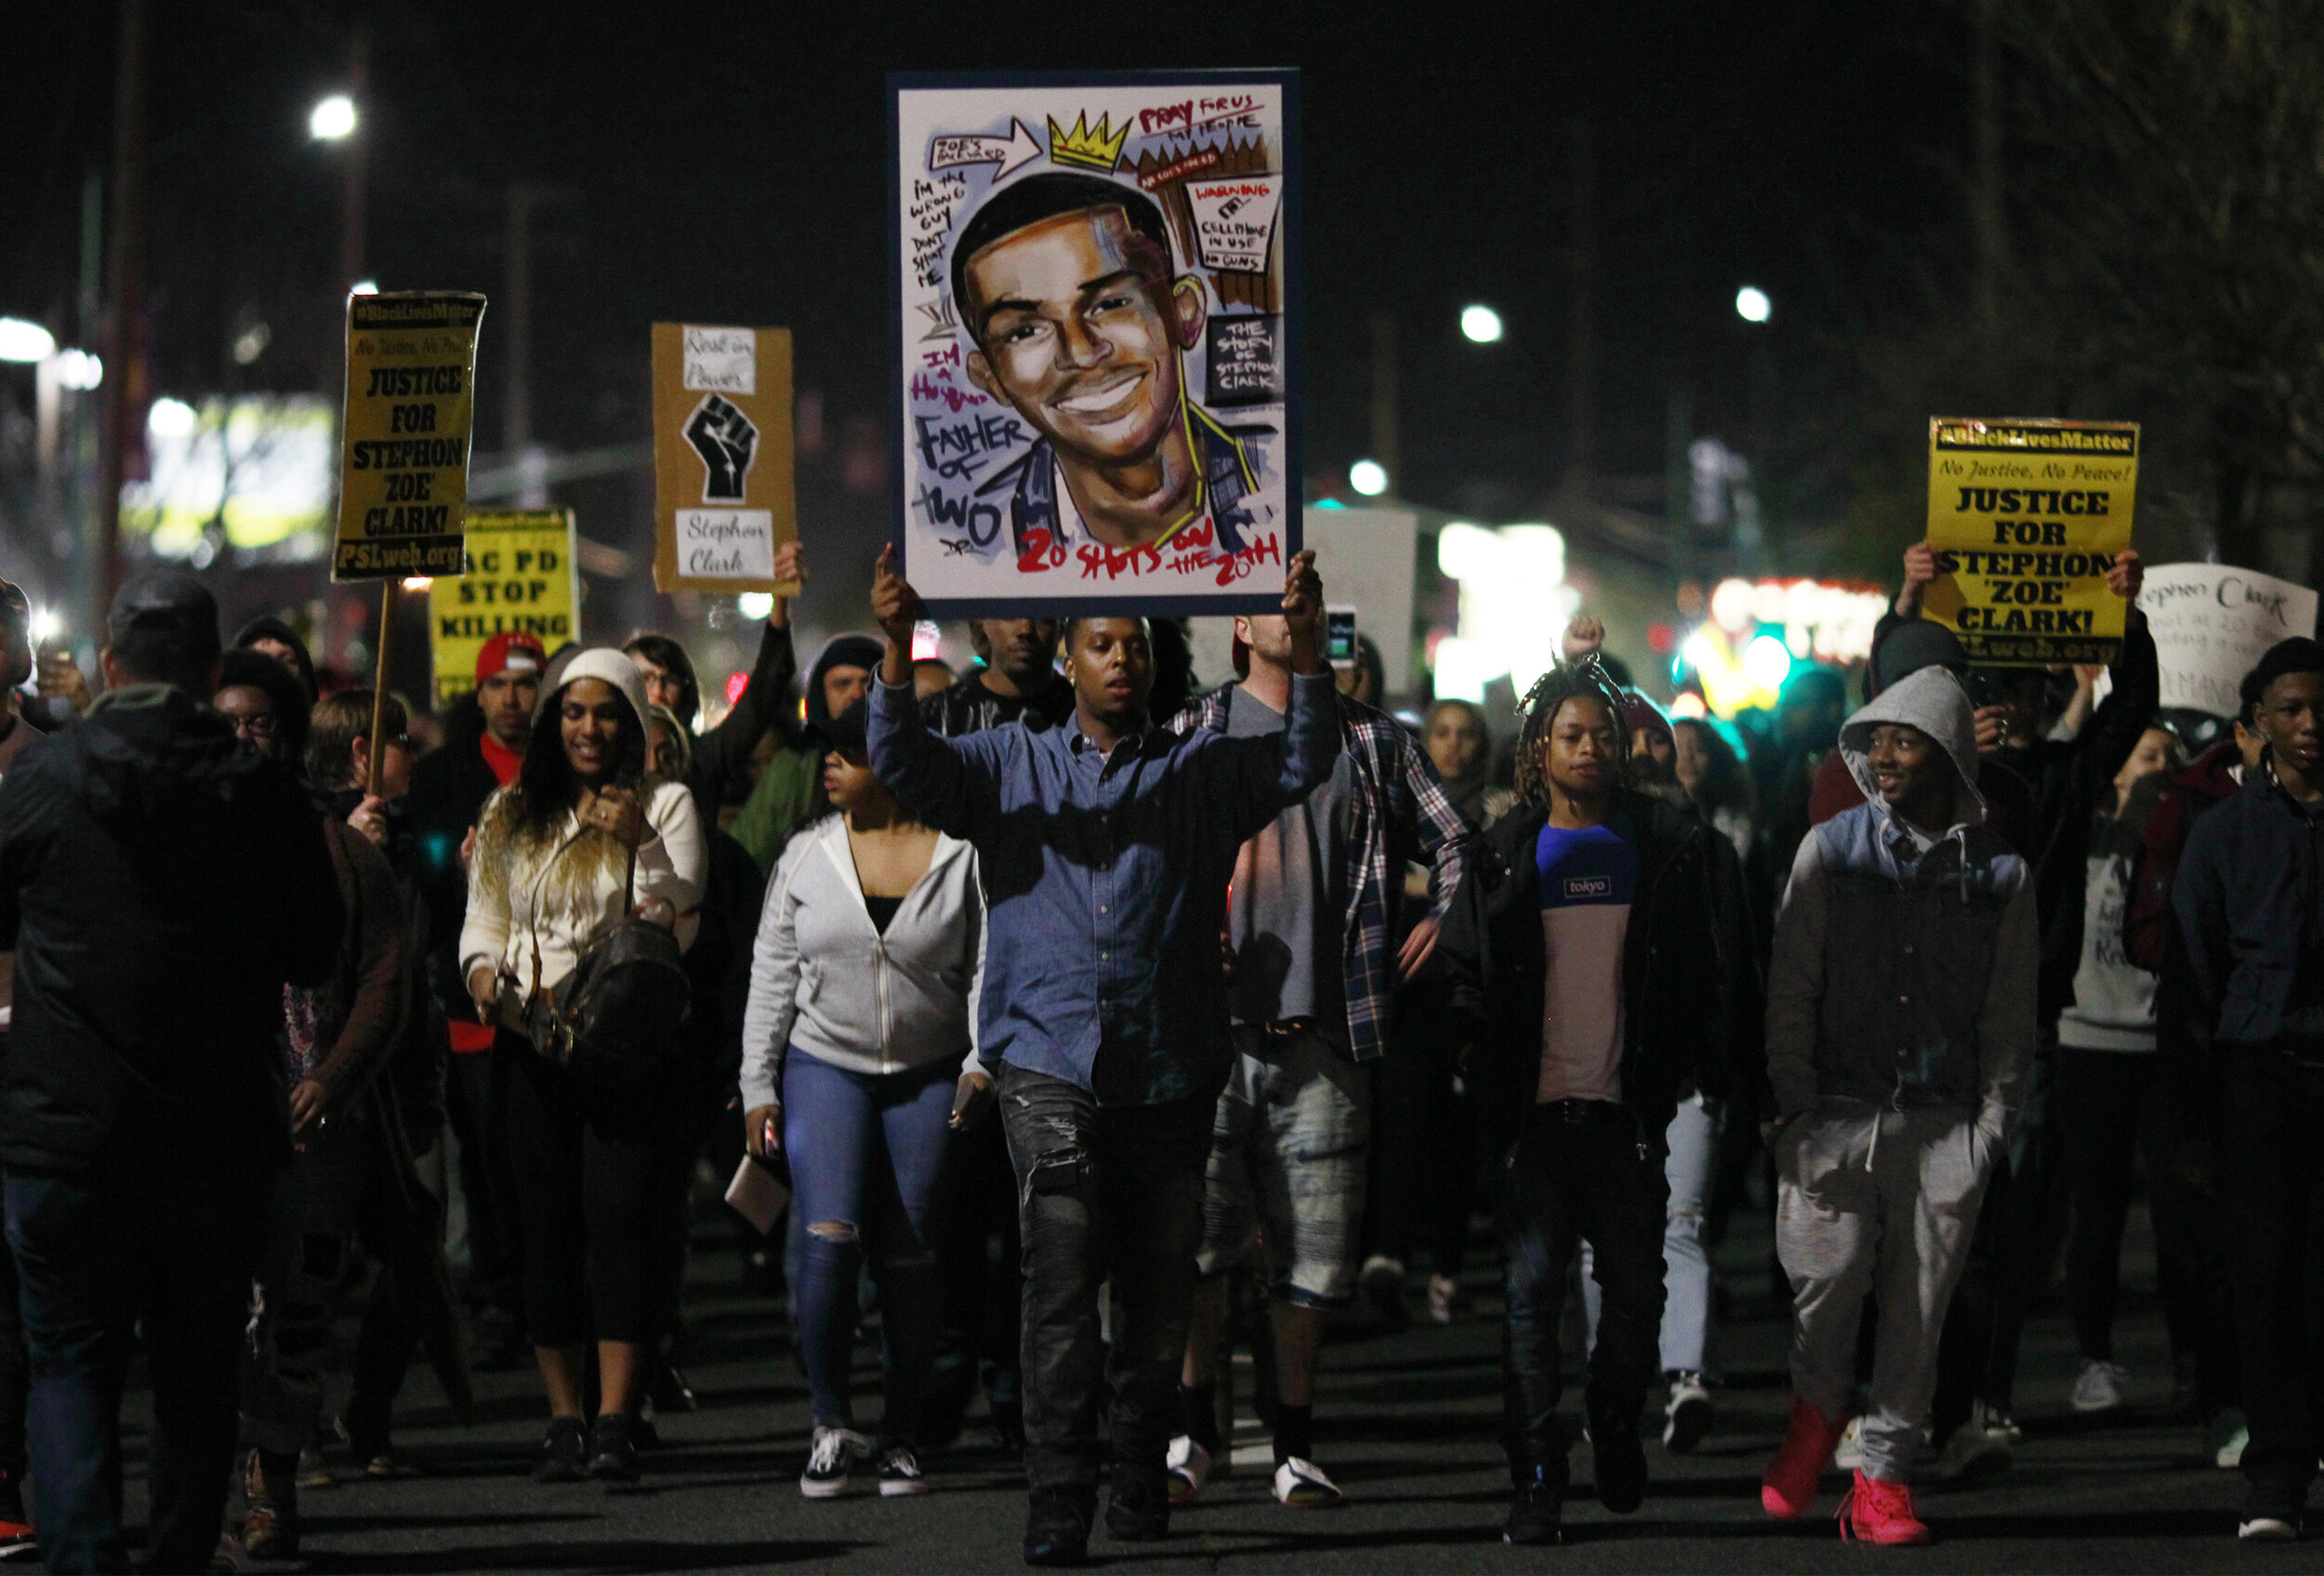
823	979
556	894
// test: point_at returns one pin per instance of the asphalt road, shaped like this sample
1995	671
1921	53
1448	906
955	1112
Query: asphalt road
1406	1419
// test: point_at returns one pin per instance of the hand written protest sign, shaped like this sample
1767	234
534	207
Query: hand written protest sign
1096	310
2211	623
521	575
2027	518
722	493
411	377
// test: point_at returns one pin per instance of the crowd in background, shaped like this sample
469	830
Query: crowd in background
1945	974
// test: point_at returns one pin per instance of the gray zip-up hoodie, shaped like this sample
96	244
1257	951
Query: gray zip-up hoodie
1906	963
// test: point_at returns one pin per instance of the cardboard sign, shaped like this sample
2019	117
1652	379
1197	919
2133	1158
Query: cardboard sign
722	498
404	447
521	575
2211	624
2027	518
1095	296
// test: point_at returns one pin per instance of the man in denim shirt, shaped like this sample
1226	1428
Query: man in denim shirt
1105	849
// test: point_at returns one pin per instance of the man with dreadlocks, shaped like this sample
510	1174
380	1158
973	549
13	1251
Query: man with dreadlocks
1587	972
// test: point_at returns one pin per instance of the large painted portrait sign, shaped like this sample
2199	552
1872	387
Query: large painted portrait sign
1096	346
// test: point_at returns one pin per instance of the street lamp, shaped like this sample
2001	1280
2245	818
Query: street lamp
23	340
1368	477
332	119
1751	304
1481	325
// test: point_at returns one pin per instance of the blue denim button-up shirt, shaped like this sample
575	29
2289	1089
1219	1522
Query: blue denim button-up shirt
1106	879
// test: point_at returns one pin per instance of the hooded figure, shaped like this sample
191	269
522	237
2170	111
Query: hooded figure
268	631
1900	1030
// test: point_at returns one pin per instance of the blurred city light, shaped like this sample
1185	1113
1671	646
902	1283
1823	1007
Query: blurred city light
44	625
1751	304
1514	604
1481	325
169	419
22	340
251	343
364	287
78	369
1368	477
417	584
332	119
756	605
1767	662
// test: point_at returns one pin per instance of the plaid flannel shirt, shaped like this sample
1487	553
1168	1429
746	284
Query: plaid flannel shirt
1399	802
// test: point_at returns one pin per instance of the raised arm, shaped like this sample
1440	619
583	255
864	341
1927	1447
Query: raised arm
937	778
1269	774
720	752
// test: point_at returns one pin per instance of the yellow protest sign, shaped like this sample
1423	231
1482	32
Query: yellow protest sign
521	575
403	446
722	498
2026	517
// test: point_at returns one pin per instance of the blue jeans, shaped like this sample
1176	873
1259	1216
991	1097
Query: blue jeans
95	1257
865	1150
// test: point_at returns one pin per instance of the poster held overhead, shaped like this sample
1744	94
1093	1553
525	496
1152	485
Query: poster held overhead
404	451
1094	315
2211	623
2026	517
723	480
521	575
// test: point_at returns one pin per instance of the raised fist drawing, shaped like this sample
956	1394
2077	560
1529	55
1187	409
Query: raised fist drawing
725	439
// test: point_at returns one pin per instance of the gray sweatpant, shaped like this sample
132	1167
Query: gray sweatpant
1879	1200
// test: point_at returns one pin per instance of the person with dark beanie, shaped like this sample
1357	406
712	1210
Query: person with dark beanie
160	883
2250	903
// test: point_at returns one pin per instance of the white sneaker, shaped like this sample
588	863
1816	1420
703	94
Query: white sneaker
2267	1529
1444	1298
829	1460
2100	1386
1688	1416
1848	1455
1189	1466
1978	1449
2229	1437
1301	1485
900	1472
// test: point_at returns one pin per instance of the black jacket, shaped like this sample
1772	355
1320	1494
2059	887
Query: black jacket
2069	780
1689	980
2250	900
449	788
719	761
160	883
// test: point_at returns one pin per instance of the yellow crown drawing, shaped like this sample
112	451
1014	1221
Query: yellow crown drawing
1095	149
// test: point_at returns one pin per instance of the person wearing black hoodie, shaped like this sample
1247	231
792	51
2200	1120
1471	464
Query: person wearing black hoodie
160	883
272	637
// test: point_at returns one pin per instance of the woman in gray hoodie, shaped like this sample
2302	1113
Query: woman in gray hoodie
856	1030
1900	1027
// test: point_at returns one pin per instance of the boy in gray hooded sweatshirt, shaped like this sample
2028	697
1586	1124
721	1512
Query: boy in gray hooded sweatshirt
1900	1027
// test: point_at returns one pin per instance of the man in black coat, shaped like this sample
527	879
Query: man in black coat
160	883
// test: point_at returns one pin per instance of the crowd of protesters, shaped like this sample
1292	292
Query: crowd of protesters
1087	1019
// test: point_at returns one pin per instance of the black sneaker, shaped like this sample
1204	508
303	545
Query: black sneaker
1619	1461
2271	1514
1688	1415
1536	1514
1138	1511
1057	1525
900	1471
564	1453
16	1527
612	1455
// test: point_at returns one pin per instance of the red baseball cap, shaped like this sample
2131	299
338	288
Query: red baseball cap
512	651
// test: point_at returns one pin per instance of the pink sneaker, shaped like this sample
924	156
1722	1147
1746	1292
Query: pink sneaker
1876	1512
1789	1486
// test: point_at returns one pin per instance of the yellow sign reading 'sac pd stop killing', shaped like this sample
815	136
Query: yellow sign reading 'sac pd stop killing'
404	450
521	576
2026	517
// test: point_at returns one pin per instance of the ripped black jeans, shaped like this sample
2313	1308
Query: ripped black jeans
1103	1190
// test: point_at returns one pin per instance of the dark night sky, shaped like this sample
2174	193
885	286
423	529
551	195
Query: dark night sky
724	162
